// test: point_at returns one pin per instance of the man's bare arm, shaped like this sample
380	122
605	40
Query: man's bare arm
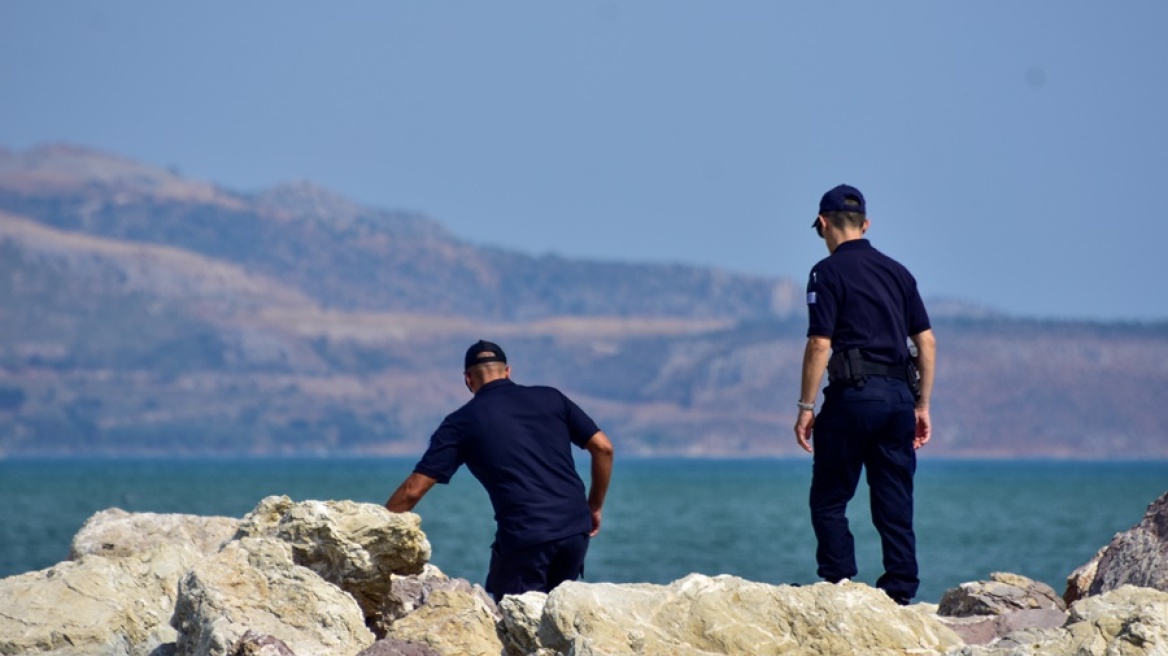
815	357
601	450
410	492
926	343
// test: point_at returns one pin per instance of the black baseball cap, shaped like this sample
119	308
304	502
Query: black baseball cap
482	352
841	198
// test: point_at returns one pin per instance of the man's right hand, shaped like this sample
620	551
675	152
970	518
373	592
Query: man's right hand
803	425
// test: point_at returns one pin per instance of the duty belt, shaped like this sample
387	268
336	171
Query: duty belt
850	367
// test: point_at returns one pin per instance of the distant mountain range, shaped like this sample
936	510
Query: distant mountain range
144	313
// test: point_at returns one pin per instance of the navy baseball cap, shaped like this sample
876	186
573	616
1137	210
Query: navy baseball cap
842	198
482	352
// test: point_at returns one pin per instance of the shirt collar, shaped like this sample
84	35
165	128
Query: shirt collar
853	244
495	384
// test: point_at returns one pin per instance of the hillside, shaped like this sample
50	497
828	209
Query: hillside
141	312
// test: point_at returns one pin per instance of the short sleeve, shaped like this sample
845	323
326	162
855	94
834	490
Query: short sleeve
444	455
581	428
821	304
917	320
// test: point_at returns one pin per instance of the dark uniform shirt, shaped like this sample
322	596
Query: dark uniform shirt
861	298
516	440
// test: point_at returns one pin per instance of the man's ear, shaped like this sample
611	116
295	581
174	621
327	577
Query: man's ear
864	228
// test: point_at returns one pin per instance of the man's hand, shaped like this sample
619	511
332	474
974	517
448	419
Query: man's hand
815	356
924	428
595	523
803	426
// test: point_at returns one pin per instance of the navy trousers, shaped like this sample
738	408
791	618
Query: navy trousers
539	567
866	428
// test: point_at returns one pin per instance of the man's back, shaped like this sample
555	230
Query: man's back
517	441
861	298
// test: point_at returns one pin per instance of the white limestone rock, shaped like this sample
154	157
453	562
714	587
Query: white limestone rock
117	533
452	621
519	629
728	615
253	584
356	546
116	594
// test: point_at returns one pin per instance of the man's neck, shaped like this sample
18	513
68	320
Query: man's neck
843	237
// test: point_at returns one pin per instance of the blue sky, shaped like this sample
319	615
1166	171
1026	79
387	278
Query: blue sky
1013	154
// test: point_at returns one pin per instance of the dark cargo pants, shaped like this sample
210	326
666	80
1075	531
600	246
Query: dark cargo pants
872	428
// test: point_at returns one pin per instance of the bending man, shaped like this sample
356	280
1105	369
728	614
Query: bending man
517	441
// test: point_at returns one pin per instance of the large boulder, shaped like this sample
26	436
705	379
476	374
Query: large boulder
115	597
117	533
1003	593
1006	609
727	615
253	584
1129	621
452	621
519	629
356	546
95	606
409	593
1138	556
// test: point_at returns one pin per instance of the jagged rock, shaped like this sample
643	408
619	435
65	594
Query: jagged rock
254	644
728	615
1129	621
1138	556
395	647
1031	618
452	622
1079	581
117	533
519	629
116	594
356	546
1019	627
976	630
1003	593
408	593
253	584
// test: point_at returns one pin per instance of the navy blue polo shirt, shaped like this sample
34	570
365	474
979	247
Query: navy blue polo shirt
517	441
861	298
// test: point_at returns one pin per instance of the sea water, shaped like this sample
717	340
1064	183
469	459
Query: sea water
664	518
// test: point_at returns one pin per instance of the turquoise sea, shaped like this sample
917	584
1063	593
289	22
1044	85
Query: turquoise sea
664	518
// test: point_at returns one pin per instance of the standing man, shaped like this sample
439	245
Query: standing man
517	441
864	309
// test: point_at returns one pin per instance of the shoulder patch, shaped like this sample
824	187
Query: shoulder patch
811	298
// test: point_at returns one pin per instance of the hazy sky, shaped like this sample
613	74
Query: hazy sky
1014	154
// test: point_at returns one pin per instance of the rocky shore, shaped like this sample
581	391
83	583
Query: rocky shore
340	578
